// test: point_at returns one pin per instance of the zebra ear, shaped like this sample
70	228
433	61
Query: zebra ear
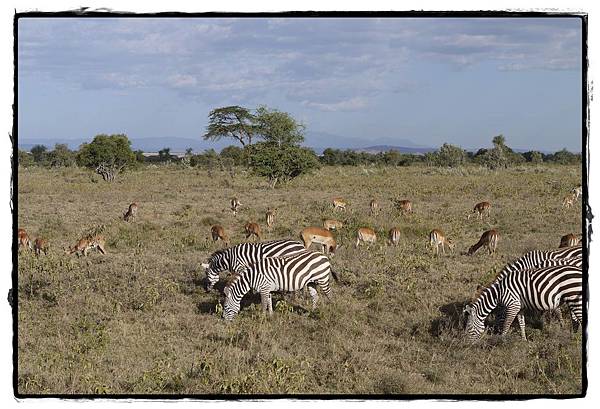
467	310
205	265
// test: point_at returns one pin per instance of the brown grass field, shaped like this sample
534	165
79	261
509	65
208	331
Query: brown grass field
138	321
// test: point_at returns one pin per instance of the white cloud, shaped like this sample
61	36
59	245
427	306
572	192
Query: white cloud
352	104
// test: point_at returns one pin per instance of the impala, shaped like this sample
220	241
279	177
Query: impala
321	236
253	229
365	235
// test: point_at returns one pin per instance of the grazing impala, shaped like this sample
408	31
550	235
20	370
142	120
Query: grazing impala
88	243
218	233
235	204
394	236
569	240
40	245
131	213
438	239
569	200
270	217
321	236
23	239
405	206
374	205
489	238
365	235
339	203
577	191
330	224
480	209
253	229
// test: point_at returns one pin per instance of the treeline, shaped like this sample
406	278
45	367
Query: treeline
450	156
234	156
271	148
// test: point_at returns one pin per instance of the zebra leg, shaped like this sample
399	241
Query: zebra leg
512	309
521	318
314	295
267	304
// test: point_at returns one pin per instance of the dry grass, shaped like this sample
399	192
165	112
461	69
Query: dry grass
138	320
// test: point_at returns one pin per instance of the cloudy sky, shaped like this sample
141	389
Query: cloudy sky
361	81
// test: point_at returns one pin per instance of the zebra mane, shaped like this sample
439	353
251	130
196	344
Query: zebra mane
218	253
478	292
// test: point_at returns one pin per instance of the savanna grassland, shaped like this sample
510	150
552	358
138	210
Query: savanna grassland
138	321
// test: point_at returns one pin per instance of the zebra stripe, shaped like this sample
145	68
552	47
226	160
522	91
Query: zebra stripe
291	273
535	258
540	289
237	257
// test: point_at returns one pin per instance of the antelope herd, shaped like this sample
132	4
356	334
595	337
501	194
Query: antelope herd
290	250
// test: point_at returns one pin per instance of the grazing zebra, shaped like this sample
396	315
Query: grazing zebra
540	289
569	240
437	238
291	273
489	238
237	257
481	208
535	258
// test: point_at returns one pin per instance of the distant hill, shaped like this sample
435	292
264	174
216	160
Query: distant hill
318	141
401	149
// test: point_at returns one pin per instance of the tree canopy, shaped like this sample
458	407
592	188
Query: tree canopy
107	154
278	127
233	122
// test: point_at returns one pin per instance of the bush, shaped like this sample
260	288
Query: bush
107	154
280	163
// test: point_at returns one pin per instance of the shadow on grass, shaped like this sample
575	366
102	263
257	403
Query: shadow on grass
452	319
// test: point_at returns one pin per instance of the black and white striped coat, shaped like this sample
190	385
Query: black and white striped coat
539	289
237	257
536	258
291	273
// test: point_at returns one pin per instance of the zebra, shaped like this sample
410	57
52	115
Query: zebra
237	257
534	258
290	273
539	289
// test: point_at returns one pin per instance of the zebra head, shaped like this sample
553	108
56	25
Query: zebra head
219	261
234	291
475	323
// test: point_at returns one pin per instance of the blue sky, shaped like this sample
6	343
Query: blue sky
362	81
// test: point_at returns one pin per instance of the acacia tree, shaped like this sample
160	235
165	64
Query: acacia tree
231	122
108	155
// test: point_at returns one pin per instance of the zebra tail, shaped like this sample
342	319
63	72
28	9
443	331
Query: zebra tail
335	276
